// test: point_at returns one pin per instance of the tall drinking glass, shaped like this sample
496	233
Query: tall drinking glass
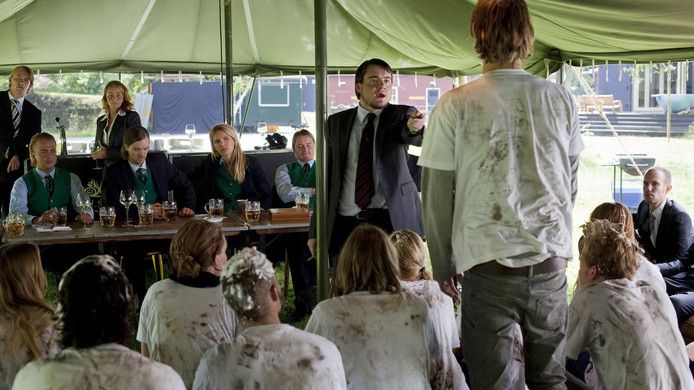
83	203
126	199
190	132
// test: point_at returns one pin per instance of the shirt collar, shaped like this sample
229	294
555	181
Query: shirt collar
309	162
363	112
43	174
659	211
135	167
19	100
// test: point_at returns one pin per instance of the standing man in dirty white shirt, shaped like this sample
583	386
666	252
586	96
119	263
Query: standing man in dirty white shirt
500	158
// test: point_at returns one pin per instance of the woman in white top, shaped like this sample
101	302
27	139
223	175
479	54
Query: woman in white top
619	214
26	319
184	316
384	335
415	279
629	327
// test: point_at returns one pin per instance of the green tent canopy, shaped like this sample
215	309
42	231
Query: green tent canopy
426	36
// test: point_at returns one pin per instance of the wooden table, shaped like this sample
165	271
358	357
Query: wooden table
96	233
266	226
234	224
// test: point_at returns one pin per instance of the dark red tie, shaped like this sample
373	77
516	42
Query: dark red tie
364	183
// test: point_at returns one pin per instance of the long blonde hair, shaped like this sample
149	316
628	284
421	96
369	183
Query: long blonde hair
368	262
411	255
22	285
237	165
127	104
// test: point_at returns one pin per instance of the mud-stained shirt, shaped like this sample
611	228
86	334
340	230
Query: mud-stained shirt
107	366
180	323
9	364
448	374
630	330
387	340
509	136
272	357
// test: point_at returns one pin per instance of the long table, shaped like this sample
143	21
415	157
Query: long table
234	224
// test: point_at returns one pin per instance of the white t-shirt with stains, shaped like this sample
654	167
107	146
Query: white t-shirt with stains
387	340
508	136
9	366
448	375
630	330
272	357
179	323
107	366
650	273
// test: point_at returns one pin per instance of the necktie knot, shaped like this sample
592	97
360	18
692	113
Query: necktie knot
49	184
142	175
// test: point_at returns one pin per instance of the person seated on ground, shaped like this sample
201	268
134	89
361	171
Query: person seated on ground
94	307
292	179
38	193
229	174
385	335
415	279
118	116
27	328
628	327
267	354
663	227
183	316
619	214
153	174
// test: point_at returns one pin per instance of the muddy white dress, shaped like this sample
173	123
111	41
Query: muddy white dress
630	330
448	374
9	365
180	323
107	366
386	340
272	357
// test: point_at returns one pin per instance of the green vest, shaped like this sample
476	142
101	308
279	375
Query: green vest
151	194
303	179
228	187
38	198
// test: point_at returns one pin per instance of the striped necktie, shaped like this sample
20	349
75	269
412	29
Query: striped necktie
50	184
142	175
364	182
16	118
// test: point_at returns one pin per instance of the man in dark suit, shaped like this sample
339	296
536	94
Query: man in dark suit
663	227
151	172
19	121
664	231
366	155
154	174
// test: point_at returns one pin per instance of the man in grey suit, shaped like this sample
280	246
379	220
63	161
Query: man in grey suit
366	155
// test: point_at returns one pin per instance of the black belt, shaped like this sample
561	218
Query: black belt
370	215
551	265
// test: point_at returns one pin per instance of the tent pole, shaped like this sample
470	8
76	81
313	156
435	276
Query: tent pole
320	11
228	117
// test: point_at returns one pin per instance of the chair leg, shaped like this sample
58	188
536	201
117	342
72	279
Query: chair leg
286	274
161	267
154	265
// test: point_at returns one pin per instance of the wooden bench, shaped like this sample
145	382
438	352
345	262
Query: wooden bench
606	102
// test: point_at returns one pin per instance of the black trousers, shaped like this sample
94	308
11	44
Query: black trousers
344	226
7	181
